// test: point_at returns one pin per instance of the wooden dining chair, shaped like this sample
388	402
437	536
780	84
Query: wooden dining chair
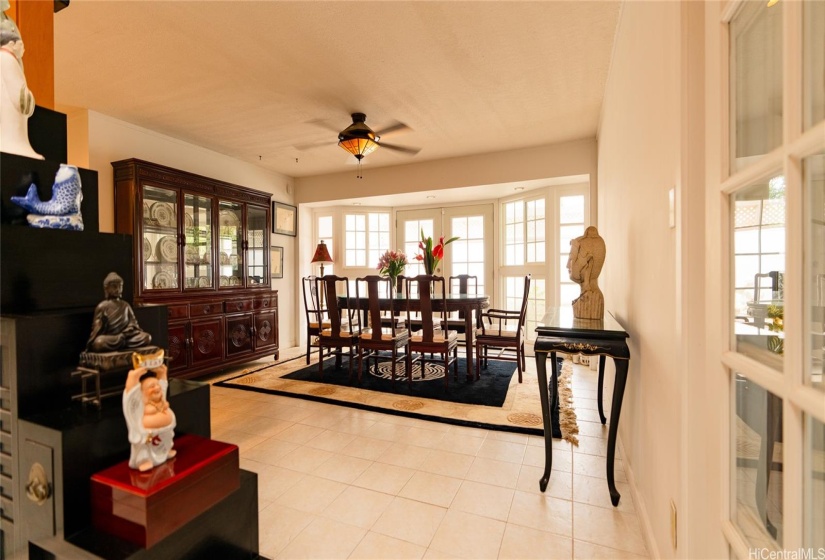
432	337
315	313
376	338
503	329
345	326
462	284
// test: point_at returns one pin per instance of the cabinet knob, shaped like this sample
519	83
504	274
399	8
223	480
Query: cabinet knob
38	488
207	309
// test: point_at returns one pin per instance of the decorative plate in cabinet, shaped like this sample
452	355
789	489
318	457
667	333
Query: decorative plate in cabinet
167	249
147	249
163	281
164	213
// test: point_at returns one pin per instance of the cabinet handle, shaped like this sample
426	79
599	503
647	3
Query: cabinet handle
38	488
207	309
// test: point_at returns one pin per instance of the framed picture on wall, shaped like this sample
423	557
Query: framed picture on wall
277	254
284	219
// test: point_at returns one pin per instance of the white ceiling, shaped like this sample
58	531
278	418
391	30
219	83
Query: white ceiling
255	79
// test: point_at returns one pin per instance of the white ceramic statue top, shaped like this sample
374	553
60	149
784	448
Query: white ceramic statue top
150	421
584	264
16	100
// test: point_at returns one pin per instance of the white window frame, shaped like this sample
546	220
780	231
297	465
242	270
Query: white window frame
798	399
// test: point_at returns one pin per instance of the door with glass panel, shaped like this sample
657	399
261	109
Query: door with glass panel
775	192
230	244
471	253
257	243
198	268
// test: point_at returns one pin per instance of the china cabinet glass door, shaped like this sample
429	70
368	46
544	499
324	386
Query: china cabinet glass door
257	240
160	241
230	244
197	252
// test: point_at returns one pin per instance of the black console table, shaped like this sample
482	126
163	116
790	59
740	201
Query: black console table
559	331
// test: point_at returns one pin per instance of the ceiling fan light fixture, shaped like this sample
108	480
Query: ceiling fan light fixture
359	147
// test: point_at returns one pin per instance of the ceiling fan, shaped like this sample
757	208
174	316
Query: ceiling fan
360	140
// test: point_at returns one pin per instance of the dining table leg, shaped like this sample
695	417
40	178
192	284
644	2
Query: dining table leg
544	394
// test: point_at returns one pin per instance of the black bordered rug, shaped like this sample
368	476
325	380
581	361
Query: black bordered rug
490	390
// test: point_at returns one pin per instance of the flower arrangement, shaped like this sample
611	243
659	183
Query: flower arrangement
392	264
431	255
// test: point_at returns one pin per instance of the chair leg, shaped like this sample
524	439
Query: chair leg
321	360
478	361
360	359
519	362
408	366
309	347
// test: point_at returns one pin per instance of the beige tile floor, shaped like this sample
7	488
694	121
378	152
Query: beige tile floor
336	482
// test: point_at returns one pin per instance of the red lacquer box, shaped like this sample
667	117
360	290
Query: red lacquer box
143	508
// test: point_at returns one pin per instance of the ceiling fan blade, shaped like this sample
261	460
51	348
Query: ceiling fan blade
403	149
395	128
310	146
325	124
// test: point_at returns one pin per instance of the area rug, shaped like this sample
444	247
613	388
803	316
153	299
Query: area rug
489	390
520	412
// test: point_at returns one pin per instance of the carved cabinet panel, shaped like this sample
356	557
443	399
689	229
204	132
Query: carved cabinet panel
207	340
239	337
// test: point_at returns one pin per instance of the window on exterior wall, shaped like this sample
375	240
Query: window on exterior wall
467	252
514	233
324	224
366	236
571	226
524	232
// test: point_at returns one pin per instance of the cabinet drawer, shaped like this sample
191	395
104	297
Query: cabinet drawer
177	311
204	309
235	305
263	302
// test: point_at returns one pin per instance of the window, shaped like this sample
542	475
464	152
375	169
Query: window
366	237
524	232
467	252
325	235
571	226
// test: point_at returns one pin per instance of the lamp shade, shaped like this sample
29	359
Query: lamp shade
358	139
321	254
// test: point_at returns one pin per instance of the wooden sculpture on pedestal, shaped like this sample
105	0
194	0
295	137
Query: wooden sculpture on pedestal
585	263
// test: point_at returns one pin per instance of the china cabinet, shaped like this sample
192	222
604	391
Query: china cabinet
201	247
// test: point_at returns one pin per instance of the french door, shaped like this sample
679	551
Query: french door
472	253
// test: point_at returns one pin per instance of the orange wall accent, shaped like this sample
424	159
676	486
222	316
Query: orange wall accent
35	19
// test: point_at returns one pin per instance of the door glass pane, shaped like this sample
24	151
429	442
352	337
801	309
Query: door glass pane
160	238
756	81
758	271
757	475
256	239
814	484
230	244
197	253
412	237
813	35
813	169
467	252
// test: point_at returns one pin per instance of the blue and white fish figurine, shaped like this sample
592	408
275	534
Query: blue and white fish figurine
65	201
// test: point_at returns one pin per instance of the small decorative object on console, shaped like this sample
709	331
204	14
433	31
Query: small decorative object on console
62	211
150	421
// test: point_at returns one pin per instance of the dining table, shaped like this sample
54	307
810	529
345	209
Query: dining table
469	307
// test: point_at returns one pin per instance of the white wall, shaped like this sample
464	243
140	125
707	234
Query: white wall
107	139
639	161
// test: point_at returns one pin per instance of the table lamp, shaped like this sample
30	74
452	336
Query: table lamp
321	256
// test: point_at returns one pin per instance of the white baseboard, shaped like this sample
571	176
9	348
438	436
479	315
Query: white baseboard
641	509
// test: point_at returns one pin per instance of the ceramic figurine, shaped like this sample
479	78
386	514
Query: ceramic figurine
150	421
62	211
16	100
115	326
584	264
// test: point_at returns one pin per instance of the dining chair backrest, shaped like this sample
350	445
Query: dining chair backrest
312	303
331	287
374	288
525	300
428	289
464	284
